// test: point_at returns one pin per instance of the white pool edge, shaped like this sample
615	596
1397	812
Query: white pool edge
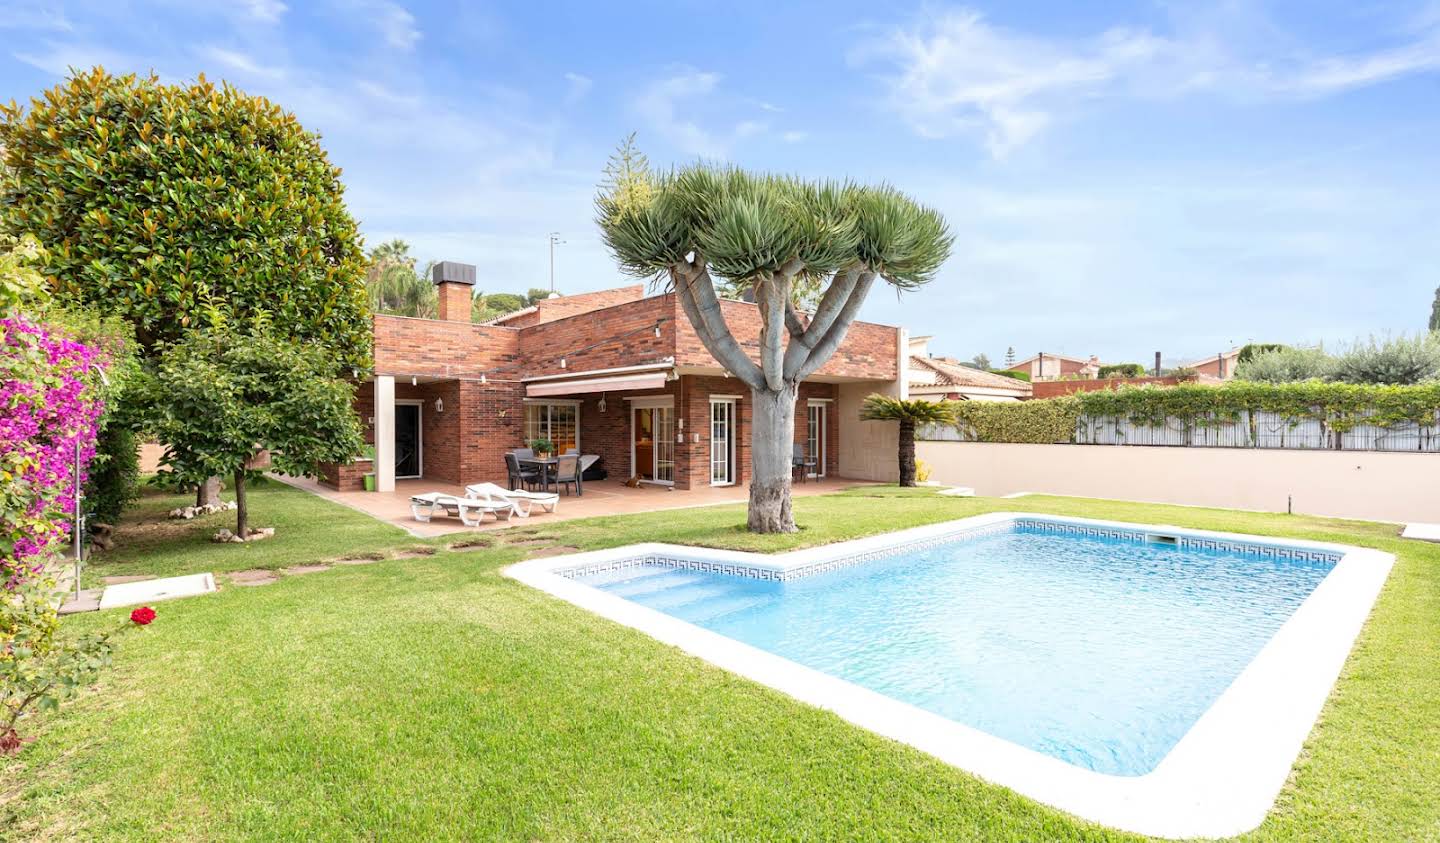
1219	780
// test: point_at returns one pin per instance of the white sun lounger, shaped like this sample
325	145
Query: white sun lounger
520	499
470	511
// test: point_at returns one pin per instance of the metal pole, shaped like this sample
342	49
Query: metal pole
76	528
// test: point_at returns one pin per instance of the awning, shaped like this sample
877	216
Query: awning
608	383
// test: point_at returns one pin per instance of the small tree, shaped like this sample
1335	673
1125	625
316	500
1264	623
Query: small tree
1009	356
1435	312
1285	364
762	232
221	399
1397	361
909	414
980	361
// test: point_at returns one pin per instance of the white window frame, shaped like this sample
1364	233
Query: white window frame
649	402
734	403
822	434
550	402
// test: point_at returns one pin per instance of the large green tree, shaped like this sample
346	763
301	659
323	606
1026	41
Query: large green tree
160	202
221	398
395	286
705	225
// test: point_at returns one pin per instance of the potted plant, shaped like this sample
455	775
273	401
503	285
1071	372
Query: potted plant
543	448
368	455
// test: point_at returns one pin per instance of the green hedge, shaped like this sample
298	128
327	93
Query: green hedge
1011	373
1035	422
1340	406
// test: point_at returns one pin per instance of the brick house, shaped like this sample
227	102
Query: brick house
1221	365
614	373
1046	367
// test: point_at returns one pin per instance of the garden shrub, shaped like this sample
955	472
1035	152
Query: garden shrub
1395	360
1122	370
1341	407
1043	422
1286	365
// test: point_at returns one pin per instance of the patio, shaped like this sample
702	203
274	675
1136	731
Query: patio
601	497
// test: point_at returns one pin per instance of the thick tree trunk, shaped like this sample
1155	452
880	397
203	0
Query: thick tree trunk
208	493
907	453
242	516
772	438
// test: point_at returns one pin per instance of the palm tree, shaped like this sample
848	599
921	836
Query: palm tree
909	413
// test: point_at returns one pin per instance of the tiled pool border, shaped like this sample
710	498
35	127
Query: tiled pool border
1219	780
1020	524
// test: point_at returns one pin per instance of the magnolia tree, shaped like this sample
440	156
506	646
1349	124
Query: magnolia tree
705	225
233	404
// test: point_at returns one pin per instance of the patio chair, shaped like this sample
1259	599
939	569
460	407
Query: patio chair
567	472
470	511
800	460
569	451
521	498
520	477
524	453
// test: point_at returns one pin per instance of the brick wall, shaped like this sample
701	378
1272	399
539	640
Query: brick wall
869	350
454	301
405	346
548	310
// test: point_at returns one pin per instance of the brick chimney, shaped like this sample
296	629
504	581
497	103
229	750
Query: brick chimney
455	287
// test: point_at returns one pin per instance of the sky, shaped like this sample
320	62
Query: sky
1120	178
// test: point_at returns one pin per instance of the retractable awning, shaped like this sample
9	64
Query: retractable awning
582	383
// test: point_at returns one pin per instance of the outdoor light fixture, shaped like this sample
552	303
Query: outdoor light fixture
482	378
414	381
439	405
602	402
657	330
562	362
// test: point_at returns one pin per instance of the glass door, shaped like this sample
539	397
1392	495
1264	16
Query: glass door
407	439
815	439
664	445
722	443
652	444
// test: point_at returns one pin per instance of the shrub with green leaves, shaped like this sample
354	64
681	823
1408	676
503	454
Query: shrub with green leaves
1045	422
221	398
1394	360
1122	370
1284	364
162	203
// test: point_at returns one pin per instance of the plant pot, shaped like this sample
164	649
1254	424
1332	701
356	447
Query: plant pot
542	455
369	482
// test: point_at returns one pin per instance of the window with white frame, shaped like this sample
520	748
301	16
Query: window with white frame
558	422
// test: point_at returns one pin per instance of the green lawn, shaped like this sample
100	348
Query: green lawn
434	699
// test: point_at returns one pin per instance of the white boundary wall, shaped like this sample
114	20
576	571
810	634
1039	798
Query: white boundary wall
1352	484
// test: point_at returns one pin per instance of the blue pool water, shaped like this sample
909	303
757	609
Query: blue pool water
1101	652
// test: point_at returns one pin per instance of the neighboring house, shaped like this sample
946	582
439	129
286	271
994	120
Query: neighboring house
1221	365
945	378
1046	367
1055	389
613	373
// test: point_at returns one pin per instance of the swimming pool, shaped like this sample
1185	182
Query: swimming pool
1157	679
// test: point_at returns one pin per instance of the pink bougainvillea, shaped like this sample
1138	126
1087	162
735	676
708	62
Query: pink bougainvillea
48	402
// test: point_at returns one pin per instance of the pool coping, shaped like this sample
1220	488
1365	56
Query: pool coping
1219	780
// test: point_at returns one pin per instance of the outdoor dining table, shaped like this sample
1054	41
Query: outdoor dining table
551	466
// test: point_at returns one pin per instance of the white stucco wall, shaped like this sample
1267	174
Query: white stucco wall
1353	484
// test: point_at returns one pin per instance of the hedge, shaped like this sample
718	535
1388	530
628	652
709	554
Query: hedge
1341	407
1043	422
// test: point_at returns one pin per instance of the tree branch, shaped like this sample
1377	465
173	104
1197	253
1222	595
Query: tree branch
836	296
702	307
772	294
838	329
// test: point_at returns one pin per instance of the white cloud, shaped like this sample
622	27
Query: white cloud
794	136
396	24
955	73
579	86
57	59
238	61
265	11
33	16
674	107
380	92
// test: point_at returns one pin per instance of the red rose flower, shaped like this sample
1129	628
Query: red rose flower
143	615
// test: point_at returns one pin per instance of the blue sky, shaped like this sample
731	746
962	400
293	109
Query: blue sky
1121	178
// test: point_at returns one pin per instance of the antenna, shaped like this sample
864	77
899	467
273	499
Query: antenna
554	241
